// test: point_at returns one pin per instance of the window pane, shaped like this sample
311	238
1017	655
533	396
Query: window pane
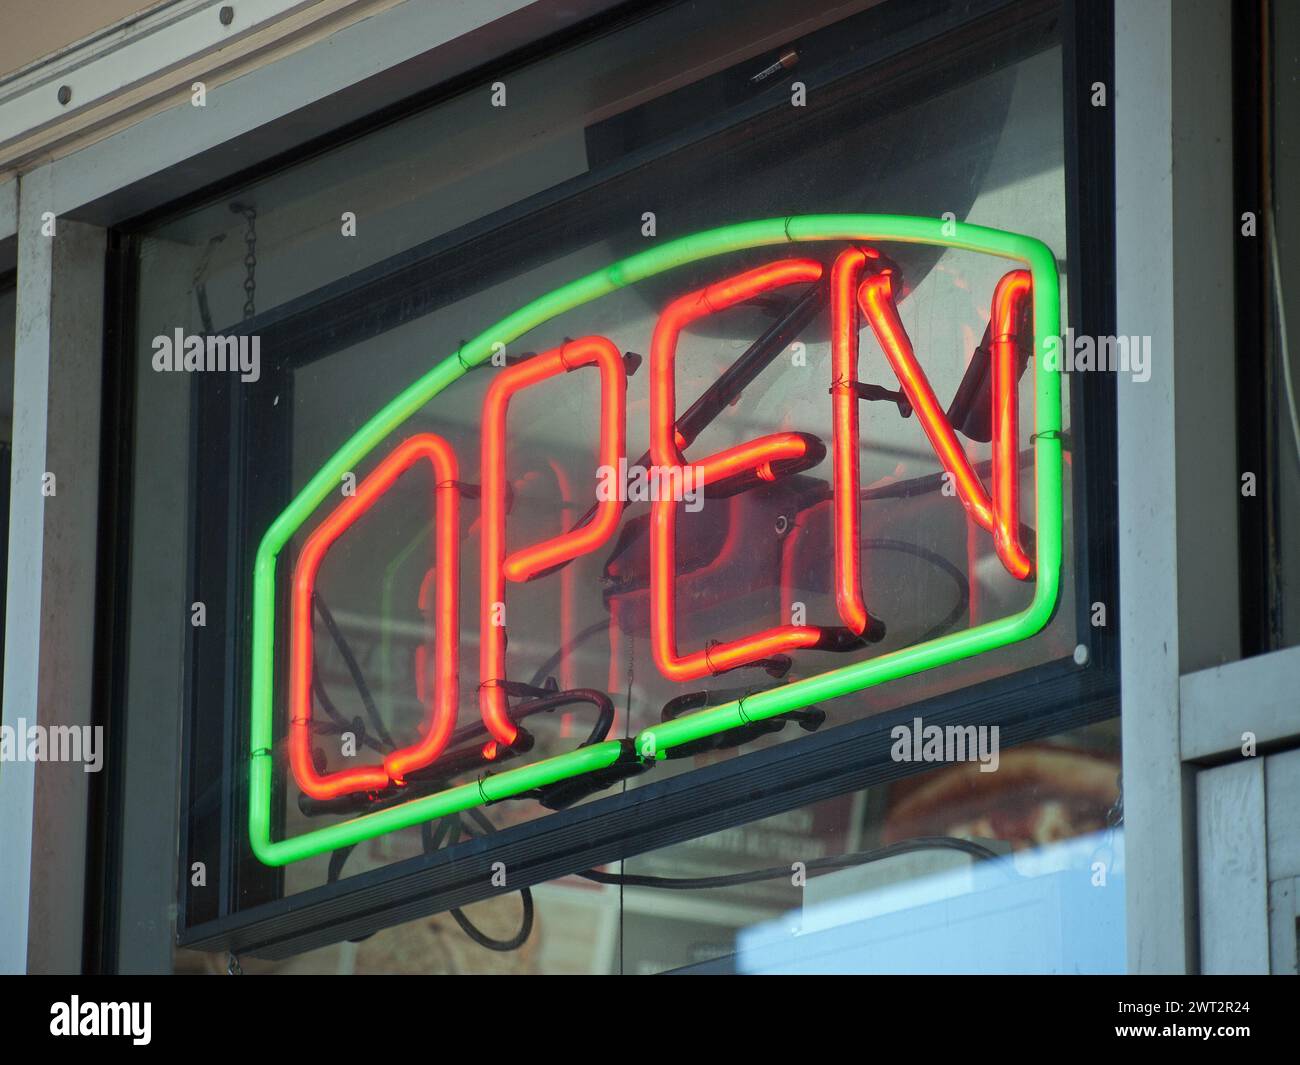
333	286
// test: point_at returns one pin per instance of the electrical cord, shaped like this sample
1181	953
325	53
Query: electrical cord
603	703
552	663
780	872
340	723
459	758
502	946
465	755
434	839
338	859
937	560
931	482
450	829
354	670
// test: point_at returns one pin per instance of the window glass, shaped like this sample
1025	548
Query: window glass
338	284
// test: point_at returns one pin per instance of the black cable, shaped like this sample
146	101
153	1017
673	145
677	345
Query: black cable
455	827
434	840
550	701
503	946
482	819
930	482
935	559
338	859
838	861
354	670
458	759
327	704
341	724
602	702
544	670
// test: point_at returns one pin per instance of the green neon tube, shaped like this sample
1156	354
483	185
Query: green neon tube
767	232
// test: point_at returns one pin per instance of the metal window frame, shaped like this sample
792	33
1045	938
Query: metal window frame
1192	697
122	57
48	658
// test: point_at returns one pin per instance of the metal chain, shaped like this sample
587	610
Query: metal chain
250	256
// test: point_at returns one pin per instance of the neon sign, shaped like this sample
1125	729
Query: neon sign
859	278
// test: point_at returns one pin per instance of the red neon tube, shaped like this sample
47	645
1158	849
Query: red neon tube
720	657
527	562
1009	300
666	452
876	298
665	441
844	410
443	704
567	579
